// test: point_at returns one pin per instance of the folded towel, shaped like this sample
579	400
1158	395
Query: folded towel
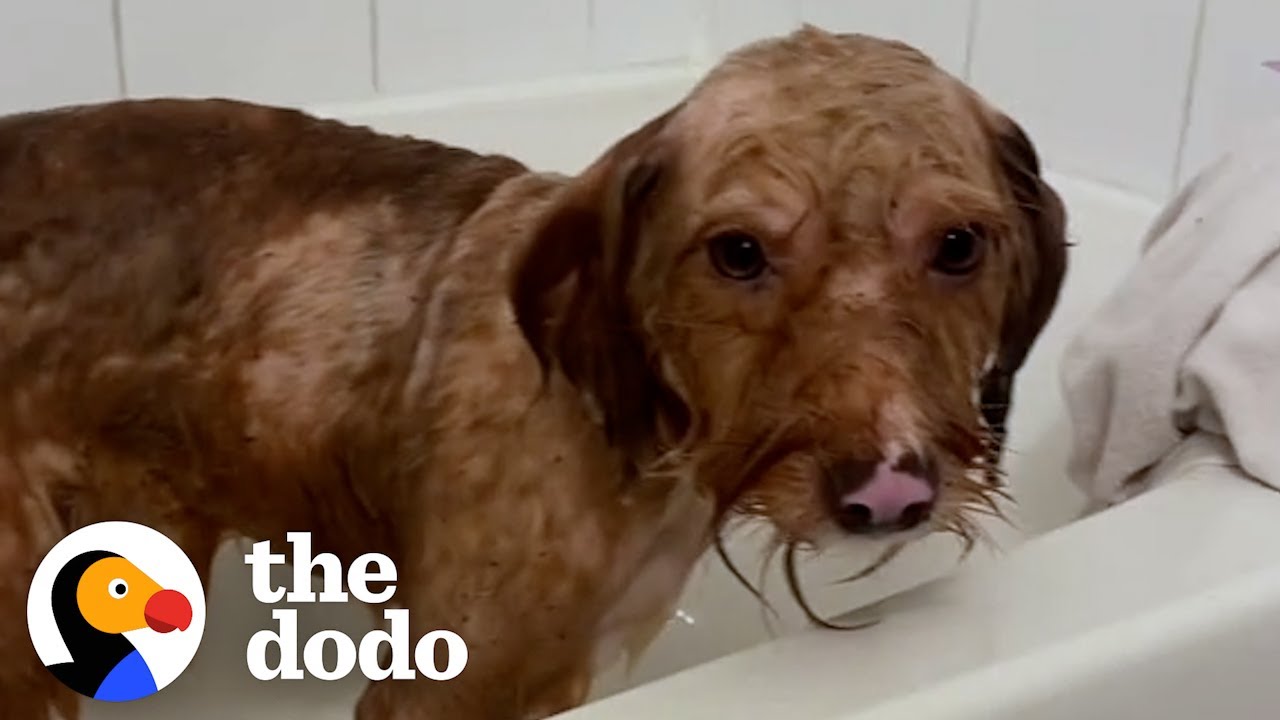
1190	341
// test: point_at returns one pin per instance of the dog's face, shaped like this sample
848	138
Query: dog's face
812	281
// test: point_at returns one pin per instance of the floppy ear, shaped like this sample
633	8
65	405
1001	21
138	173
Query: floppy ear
570	290
1041	263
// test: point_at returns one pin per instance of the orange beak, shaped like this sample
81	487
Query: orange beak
168	610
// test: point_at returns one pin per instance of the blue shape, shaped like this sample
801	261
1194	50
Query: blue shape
129	680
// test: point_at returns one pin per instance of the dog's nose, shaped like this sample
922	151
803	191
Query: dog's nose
882	496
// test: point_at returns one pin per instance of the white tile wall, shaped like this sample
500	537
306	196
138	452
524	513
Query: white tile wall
1232	89
630	32
738	22
1139	94
280	51
938	27
1100	85
56	52
426	45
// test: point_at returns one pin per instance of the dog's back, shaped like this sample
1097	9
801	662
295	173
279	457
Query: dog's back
117	221
103	207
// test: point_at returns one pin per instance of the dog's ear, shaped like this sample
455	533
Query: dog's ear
1040	265
570	290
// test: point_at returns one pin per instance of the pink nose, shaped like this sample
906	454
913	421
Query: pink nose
882	497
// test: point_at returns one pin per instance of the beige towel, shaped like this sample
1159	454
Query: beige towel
1190	341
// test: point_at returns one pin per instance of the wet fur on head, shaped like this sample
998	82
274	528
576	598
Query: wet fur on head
599	293
583	292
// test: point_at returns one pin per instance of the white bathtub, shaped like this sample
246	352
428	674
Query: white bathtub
1062	620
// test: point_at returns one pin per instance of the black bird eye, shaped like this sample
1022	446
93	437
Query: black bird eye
118	588
960	251
737	255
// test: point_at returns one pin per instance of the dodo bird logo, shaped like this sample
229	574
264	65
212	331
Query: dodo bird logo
116	611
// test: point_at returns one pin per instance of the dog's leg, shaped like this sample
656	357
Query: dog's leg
27	690
507	677
27	531
29	527
528	657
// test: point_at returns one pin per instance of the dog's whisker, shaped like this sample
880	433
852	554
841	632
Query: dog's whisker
772	547
977	510
986	502
729	565
797	592
885	558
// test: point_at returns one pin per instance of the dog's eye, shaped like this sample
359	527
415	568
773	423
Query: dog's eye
118	588
959	251
737	255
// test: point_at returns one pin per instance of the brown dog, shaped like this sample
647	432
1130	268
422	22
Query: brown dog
792	296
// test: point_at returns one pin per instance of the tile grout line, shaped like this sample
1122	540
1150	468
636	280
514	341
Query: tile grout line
117	32
587	46
1188	98
700	51
375	67
971	38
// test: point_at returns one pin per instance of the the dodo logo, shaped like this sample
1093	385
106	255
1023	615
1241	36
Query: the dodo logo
116	611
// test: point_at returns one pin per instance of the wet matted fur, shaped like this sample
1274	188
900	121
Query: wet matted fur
541	395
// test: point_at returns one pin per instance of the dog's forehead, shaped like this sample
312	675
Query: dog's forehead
858	152
834	115
814	74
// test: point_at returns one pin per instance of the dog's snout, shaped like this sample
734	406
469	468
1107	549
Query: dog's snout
883	496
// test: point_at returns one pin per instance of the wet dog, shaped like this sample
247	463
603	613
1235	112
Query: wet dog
801	294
